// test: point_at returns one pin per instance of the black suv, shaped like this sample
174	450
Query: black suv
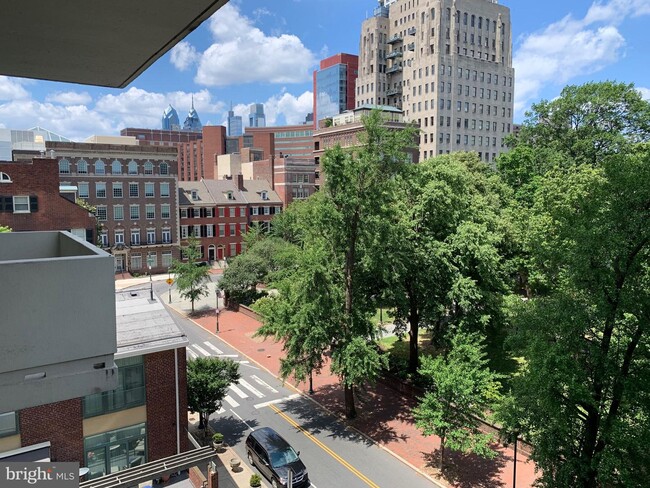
275	458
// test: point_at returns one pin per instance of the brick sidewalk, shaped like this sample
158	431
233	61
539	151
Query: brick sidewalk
383	414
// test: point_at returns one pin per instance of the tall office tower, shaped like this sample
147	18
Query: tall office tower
170	119
334	85
192	121
256	118
448	65
235	124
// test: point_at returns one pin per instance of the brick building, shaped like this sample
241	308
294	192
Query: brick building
220	212
30	199
161	137
134	191
142	420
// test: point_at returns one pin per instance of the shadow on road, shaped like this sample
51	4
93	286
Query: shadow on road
469	470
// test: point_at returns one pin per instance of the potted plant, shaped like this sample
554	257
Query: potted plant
217	440
255	480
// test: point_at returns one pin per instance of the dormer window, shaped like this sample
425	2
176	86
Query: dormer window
230	195
195	194
265	195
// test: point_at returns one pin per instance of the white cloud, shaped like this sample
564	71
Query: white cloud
11	89
645	92
242	53
572	47
69	98
293	109
183	55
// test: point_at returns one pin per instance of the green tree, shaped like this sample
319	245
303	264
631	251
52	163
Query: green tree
208	380
4	228
584	391
191	280
339	232
462	389
447	264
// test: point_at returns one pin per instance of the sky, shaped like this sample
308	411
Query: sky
261	51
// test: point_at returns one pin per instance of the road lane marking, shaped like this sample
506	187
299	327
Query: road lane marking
279	400
192	354
244	422
200	349
213	347
316	441
232	402
236	389
264	384
250	388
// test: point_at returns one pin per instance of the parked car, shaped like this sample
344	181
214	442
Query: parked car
275	458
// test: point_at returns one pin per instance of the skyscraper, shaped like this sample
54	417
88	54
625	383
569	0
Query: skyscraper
170	119
256	118
334	85
192	121
235	124
447	65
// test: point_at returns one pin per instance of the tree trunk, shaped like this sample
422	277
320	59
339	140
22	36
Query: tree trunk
414	332
350	411
442	453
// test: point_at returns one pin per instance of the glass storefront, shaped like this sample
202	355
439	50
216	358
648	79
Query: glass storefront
115	450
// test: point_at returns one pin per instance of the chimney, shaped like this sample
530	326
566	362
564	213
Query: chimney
240	182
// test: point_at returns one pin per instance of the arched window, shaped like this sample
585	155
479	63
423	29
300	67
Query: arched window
82	167
164	169
64	167
116	167
100	167
148	168
473	20
4	178
133	168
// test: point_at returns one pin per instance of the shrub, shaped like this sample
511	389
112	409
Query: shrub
255	480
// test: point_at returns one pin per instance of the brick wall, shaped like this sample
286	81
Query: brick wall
161	403
61	423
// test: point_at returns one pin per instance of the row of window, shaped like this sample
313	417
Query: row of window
467	140
134	212
19	203
470	124
118	189
208	230
135	240
208	212
116	167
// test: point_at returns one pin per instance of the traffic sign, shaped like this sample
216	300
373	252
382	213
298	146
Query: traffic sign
169	281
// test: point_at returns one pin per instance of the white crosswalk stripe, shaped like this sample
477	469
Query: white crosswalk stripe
232	402
250	388
213	347
191	353
201	350
236	389
264	384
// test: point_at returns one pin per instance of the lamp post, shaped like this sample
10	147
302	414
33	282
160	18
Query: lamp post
311	383
218	292
149	263
169	282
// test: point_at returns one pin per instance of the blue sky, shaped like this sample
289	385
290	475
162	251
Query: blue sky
260	51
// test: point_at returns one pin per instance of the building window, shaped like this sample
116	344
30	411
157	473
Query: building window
254	210
115	450
116	168
222	212
148	190
278	210
21	204
232	212
164	189
118	212
119	237
233	249
267	211
103	238
133	168
83	189
8	424
136	260
64	167
82	167
152	259
184	231
117	190
148	168
150	211
165	211
209	230
135	237
196	231
100	167
164	169
209	212
151	236
102	214
4	178
134	211
222	230
129	393
134	191
242	229
166	259
167	235
196	212
100	190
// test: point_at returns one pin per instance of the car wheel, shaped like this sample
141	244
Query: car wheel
250	458
275	484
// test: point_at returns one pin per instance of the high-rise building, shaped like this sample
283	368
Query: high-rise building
235	124
334	85
256	117
192	121
447	65
170	119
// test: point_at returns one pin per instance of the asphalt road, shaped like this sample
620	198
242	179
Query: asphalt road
335	456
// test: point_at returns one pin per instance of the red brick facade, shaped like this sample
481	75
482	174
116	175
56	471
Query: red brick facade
160	377
48	210
60	423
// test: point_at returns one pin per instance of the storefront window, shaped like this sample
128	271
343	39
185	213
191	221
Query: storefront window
115	450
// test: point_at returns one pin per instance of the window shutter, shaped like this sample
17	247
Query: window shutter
9	204
33	204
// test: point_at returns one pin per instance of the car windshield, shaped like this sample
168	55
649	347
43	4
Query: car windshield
282	458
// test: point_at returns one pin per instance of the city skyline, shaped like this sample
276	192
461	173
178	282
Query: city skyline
233	58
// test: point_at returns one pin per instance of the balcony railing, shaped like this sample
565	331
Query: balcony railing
394	91
393	69
411	31
394	54
394	39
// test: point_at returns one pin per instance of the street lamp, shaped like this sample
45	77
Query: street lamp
149	264
311	383
218	293
169	282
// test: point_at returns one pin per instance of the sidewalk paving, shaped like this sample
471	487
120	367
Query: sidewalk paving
384	415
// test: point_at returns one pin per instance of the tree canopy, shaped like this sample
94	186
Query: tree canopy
191	280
